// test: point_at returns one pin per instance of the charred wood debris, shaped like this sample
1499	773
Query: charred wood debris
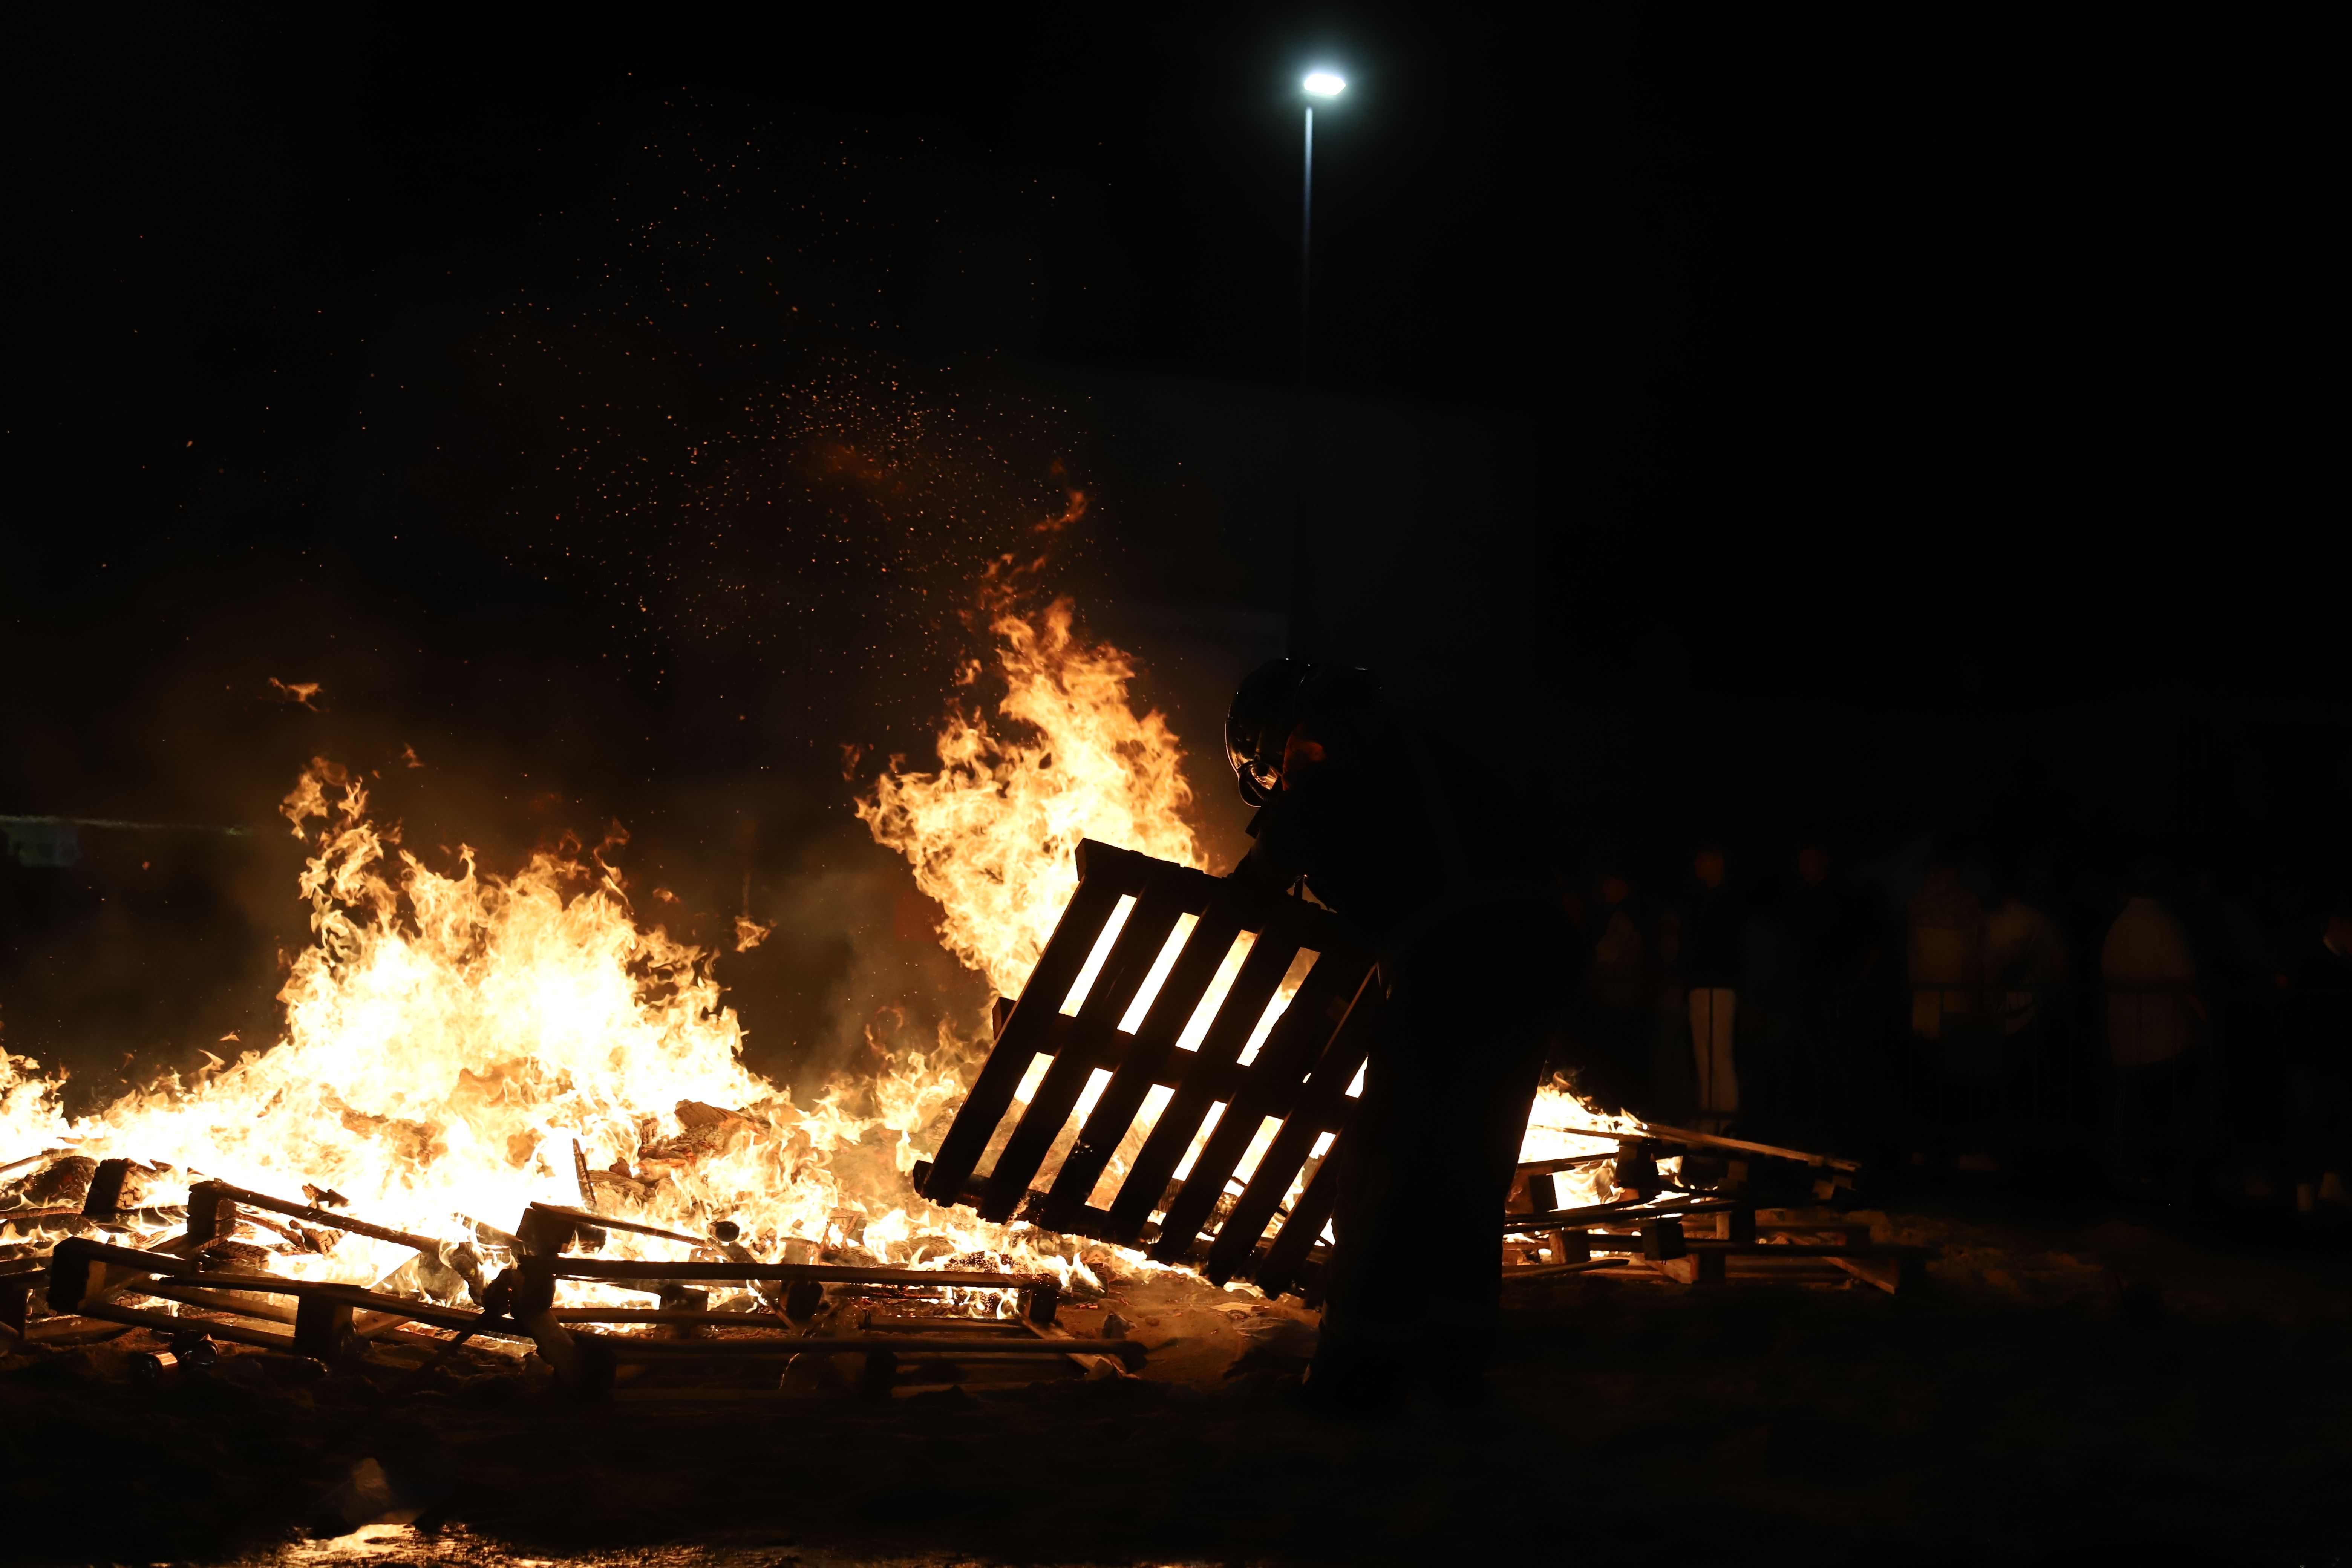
80	1265
73	1273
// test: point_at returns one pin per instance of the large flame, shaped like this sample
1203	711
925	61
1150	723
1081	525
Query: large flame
993	835
457	1044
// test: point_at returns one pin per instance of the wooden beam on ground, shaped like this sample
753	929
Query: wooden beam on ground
1088	1362
1890	1274
164	1323
1569	1162
82	1271
205	1197
1618	1213
633	1350
219	1302
1768	1151
677	1317
606	1222
622	1270
1556	1270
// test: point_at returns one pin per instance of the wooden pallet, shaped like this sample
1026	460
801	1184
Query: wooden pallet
1299	1077
332	1321
1705	1241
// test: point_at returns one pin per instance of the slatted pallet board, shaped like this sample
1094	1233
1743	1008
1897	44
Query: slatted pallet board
1299	1077
1706	1241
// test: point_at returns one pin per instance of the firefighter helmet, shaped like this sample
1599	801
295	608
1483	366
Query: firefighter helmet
1272	700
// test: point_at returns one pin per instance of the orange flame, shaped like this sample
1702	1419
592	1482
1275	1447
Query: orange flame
993	835
450	1036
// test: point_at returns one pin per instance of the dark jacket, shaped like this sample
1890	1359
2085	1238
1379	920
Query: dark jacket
1398	846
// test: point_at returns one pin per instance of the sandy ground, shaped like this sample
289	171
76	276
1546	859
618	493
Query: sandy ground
2072	1392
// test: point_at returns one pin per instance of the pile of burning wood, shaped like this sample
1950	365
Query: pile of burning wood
1174	1078
822	1323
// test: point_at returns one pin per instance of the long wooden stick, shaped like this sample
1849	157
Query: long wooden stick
30	1160
1553	1270
217	1300
626	1348
1769	1150
1567	1161
1086	1361
328	1218
1617	1212
619	1270
668	1315
164	1323
606	1222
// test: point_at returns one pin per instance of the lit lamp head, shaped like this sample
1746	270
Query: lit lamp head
1325	85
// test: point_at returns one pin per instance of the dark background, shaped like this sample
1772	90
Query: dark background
1861	427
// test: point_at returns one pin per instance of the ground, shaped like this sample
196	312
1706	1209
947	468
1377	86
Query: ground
2059	1390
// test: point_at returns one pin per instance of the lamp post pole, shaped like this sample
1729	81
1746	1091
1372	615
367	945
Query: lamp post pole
1301	638
1306	241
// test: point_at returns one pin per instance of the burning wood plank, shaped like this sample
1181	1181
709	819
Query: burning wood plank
1741	1145
211	1217
633	1350
623	1271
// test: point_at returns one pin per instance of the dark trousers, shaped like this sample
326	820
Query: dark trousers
2155	1118
1427	1159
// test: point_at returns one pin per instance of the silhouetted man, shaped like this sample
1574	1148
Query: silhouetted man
1705	957
1838	943
1620	992
1946	948
2153	1011
1409	845
2024	965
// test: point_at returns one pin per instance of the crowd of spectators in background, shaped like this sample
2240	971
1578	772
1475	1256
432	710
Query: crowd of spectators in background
2173	1029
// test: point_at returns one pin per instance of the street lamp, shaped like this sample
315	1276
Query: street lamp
1326	85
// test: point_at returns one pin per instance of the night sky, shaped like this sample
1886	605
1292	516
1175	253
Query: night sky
1860	427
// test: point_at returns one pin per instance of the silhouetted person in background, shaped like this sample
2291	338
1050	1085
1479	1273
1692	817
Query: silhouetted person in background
2024	968
2240	976
2319	1065
2152	1012
1837	947
1946	932
1704	957
1620	997
1770	1043
1418	852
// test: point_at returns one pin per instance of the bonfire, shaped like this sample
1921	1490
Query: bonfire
458	1044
